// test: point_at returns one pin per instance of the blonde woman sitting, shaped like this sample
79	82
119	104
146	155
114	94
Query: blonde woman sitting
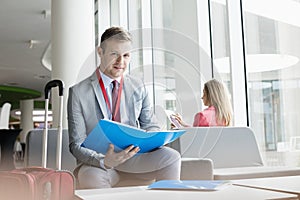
218	112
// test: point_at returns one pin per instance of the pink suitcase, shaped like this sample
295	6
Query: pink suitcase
36	183
41	183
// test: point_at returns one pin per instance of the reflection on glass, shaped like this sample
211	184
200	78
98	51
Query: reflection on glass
220	42
272	61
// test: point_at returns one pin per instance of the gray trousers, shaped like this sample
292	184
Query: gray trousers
161	164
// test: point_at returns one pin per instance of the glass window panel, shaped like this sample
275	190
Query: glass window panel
220	42
166	53
140	64
176	56
272	61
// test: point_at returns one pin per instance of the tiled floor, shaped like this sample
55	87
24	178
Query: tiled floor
19	161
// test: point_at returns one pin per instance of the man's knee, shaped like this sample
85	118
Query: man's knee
171	154
93	178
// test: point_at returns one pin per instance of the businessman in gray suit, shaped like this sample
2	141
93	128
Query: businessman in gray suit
93	99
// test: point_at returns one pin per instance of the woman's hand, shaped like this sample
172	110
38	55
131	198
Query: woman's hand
177	121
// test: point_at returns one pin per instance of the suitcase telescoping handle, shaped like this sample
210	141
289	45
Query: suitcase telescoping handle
52	84
47	90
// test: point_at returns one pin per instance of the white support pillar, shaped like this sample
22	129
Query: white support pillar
73	45
237	63
26	107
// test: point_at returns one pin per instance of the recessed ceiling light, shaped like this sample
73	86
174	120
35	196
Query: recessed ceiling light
32	43
46	13
40	77
11	84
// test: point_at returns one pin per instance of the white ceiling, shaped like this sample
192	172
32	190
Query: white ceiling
20	22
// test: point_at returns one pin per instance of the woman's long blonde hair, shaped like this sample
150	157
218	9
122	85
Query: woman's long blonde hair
218	96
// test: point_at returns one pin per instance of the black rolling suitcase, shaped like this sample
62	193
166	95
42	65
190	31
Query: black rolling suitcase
41	183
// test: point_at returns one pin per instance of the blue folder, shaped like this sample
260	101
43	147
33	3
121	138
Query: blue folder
204	185
122	136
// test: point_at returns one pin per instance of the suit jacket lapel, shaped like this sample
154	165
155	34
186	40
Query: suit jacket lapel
128	97
99	95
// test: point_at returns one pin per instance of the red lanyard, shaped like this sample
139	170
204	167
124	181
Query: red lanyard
106	97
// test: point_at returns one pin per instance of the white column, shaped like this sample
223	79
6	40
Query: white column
26	107
73	45
237	63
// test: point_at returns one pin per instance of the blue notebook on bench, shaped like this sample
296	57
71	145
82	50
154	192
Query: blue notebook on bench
122	136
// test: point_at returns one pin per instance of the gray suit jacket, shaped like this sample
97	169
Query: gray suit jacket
85	109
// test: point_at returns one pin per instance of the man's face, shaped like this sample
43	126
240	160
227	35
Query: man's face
115	57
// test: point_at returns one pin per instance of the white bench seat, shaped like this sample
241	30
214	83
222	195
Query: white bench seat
233	151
